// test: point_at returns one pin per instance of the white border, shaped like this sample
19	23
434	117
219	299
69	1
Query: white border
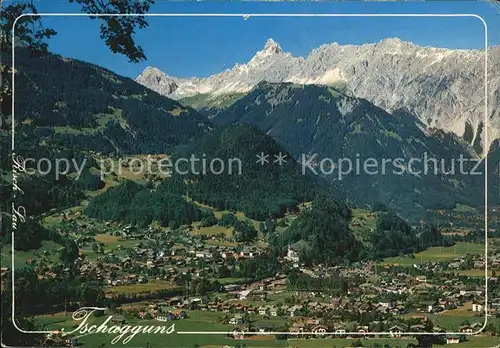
246	16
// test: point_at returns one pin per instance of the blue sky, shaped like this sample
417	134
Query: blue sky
200	46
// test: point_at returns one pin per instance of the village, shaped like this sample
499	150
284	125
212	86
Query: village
379	298
158	275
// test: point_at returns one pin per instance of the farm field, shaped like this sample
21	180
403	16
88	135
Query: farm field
213	231
451	320
465	310
478	272
480	342
348	342
437	254
112	242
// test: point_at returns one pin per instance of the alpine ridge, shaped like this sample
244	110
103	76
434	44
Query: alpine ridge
444	88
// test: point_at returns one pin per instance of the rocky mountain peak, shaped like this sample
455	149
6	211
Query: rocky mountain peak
394	41
272	46
157	80
151	69
394	45
272	50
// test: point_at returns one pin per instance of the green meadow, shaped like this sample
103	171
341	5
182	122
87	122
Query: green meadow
206	322
49	252
438	254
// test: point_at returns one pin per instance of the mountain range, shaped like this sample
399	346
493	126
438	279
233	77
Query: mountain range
321	121
443	88
67	105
